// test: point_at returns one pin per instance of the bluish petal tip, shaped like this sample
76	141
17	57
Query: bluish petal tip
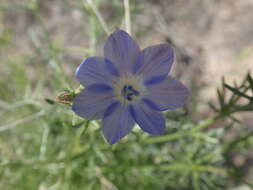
155	61
170	94
149	120
93	70
91	105
117	123
122	50
78	70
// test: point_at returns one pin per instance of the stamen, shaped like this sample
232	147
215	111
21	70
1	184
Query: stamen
129	98
128	92
130	87
124	90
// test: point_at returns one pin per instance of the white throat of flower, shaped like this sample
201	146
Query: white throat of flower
129	88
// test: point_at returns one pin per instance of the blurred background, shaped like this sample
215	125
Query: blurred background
44	146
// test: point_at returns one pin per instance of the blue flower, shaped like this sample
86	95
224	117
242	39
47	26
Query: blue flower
128	86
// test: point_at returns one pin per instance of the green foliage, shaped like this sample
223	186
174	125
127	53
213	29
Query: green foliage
43	145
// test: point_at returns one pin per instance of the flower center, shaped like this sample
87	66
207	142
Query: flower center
129	88
128	92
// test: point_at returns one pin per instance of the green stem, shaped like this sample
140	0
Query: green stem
127	16
166	138
182	166
99	16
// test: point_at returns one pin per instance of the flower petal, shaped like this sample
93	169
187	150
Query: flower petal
155	61
96	70
99	88
117	122
155	80
149	120
169	94
122	50
92	105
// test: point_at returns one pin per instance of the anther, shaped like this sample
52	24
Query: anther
130	87
128	92
129	98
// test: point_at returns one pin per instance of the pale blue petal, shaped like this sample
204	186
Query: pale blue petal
167	95
155	80
96	70
111	108
149	120
151	104
155	61
99	88
117	122
91	105
111	68
121	50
